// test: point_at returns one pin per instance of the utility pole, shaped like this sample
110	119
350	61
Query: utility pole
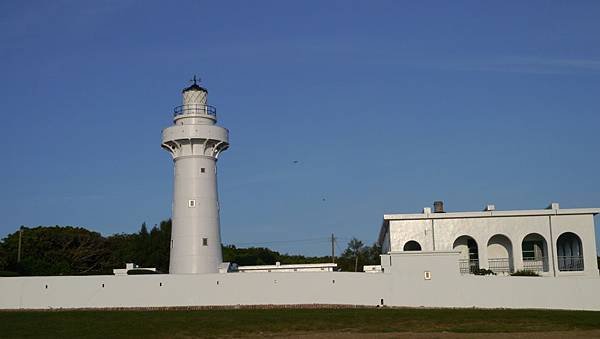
20	240
332	248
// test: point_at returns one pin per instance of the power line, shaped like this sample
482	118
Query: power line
315	240
338	246
319	240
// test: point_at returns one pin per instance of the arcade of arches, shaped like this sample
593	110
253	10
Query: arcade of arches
500	259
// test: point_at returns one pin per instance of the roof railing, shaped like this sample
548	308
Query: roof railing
195	109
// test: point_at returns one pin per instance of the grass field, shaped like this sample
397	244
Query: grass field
283	322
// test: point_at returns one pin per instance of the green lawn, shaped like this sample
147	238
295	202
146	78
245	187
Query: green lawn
241	322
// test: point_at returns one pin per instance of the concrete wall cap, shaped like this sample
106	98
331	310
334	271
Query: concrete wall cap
488	214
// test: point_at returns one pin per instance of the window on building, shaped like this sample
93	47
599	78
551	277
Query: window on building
569	252
469	254
473	251
202	170
532	249
412	246
204	241
191	203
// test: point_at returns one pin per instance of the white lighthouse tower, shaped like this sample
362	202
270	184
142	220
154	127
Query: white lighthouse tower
195	142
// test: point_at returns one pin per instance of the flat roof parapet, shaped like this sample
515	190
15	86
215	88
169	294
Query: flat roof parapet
491	213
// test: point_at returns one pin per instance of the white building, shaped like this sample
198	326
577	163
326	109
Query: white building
131	267
552	241
320	267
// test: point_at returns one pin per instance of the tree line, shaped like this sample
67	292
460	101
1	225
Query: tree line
68	250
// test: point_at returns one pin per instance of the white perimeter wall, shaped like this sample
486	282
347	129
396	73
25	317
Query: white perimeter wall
402	284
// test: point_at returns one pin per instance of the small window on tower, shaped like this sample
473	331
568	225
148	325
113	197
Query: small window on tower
204	241
202	170
191	203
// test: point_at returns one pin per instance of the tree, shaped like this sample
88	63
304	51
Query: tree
250	256
123	248
74	250
372	256
145	249
357	255
3	259
354	249
56	251
70	250
144	231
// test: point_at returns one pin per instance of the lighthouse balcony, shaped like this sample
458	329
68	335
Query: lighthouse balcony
195	109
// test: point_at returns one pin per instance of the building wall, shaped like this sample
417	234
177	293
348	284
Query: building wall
447	288
402	283
583	226
491	232
191	290
325	267
385	243
407	230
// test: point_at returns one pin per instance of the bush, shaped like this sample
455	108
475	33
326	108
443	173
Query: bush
525	273
483	271
8	274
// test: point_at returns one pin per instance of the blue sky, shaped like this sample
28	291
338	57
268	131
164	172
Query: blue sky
386	106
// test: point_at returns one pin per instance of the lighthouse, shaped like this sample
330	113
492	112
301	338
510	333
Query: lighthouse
195	142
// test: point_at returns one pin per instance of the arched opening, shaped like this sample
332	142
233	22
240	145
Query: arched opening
412	246
569	252
535	253
469	254
500	257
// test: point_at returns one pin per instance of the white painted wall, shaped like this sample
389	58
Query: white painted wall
401	284
417	230
583	226
320	267
498	234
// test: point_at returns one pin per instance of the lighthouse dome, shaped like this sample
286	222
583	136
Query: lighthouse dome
194	87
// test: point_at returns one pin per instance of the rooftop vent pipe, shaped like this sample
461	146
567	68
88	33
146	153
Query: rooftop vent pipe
438	207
